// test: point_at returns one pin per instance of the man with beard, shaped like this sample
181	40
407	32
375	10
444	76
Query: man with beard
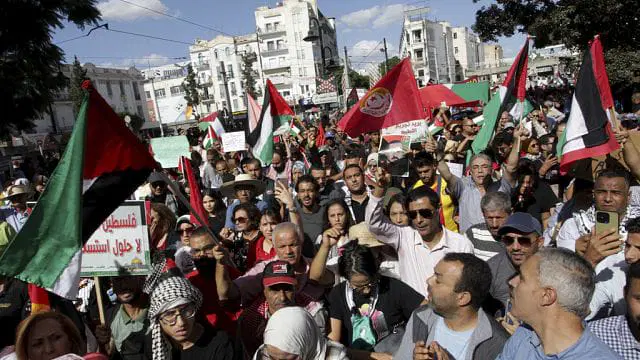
374	142
496	208
325	184
310	210
280	167
204	278
160	194
355	193
254	168
522	237
279	283
127	324
426	166
452	325
421	245
622	332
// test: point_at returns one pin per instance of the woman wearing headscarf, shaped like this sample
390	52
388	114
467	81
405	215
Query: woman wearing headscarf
297	169
175	334
291	332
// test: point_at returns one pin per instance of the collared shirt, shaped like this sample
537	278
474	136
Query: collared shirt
614	331
448	208
416	260
14	217
485	246
123	326
608	297
524	344
469	196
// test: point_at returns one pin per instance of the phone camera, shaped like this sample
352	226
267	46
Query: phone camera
602	218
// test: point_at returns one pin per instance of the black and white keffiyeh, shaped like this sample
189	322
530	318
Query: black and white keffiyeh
169	293
586	219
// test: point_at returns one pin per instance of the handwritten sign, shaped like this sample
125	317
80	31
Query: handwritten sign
233	141
120	246
417	130
167	150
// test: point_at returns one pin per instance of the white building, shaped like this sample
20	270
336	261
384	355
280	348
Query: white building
468	50
288	60
165	94
493	56
121	88
430	46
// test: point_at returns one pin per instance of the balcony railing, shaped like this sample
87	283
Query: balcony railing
275	51
267	32
202	65
275	66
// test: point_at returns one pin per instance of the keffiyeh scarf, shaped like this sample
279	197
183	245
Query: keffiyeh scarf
169	293
586	219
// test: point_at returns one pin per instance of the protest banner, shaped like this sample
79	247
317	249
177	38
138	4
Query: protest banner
233	141
393	154
120	246
167	150
417	130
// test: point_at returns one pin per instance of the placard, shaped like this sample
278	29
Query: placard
167	150
417	130
392	154
120	246
233	141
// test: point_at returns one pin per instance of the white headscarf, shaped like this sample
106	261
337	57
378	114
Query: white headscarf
292	329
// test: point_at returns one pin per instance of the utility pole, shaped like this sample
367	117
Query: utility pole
155	100
347	86
226	89
386	56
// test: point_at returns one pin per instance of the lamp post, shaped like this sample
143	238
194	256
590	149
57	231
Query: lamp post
312	36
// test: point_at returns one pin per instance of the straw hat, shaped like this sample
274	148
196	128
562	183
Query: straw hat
228	189
364	236
15	190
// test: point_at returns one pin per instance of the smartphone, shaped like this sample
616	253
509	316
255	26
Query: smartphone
606	220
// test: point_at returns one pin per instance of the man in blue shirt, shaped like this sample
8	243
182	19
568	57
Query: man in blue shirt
551	295
16	215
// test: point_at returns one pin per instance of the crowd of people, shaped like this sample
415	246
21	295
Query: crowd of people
323	254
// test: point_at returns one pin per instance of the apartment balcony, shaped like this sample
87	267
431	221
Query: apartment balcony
201	66
280	81
275	51
271	32
277	66
206	82
207	99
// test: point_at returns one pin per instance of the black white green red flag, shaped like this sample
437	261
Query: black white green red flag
275	112
103	164
589	132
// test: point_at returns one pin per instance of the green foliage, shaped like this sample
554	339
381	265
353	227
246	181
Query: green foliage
191	86
248	75
390	64
76	93
571	22
358	81
29	61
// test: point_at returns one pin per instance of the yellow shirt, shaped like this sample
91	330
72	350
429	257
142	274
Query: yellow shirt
448	208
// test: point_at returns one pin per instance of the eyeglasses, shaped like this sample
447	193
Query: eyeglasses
188	231
425	213
509	240
205	250
240	220
157	184
171	317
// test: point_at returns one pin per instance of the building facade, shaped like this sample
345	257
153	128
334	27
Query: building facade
493	56
165	94
123	89
468	51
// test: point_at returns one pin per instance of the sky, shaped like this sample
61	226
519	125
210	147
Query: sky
361	26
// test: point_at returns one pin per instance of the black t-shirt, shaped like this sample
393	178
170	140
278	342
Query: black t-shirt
13	302
396	302
359	209
212	344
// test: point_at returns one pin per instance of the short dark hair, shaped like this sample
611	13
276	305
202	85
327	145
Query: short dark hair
352	166
272	213
633	226
253	214
245	161
423	159
615	172
633	272
422	192
307	179
255	162
200	232
357	259
474	279
315	167
397	198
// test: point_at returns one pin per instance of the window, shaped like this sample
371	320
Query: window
160	93
215	54
286	93
301	72
417	35
176	90
136	90
219	72
234	92
235	104
148	94
271	45
421	73
280	44
282	60
276	25
139	111
121	85
269	27
455	50
109	89
229	71
455	35
227	51
418	55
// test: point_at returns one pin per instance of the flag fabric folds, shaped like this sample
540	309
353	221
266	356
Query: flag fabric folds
589	132
195	196
253	113
103	164
510	97
393	100
214	131
275	112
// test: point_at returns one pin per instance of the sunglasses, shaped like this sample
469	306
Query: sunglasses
425	213
240	220
186	231
158	184
522	240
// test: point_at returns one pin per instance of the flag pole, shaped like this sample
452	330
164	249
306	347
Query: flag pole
96	281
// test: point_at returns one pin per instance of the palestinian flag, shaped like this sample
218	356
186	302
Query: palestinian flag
275	112
103	164
352	98
253	113
510	97
214	131
393	100
589	132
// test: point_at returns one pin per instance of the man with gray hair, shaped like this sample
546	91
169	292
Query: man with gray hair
496	208
469	190
551	295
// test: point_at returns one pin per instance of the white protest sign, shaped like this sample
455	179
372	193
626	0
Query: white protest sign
120	246
233	141
456	168
417	130
167	150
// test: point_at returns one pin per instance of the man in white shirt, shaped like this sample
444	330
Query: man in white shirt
421	245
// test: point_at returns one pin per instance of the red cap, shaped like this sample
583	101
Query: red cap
278	272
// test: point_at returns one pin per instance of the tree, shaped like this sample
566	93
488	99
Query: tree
29	61
570	22
76	93
191	86
391	63
248	75
356	80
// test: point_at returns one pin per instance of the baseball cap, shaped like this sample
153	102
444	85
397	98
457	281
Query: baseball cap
155	177
521	222
509	125
278	272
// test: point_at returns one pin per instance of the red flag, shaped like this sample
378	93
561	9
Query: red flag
516	79
195	197
600	71
320	140
393	100
39	298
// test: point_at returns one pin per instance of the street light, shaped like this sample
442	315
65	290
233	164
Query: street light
312	36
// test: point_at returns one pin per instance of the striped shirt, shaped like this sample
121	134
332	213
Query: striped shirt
484	245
